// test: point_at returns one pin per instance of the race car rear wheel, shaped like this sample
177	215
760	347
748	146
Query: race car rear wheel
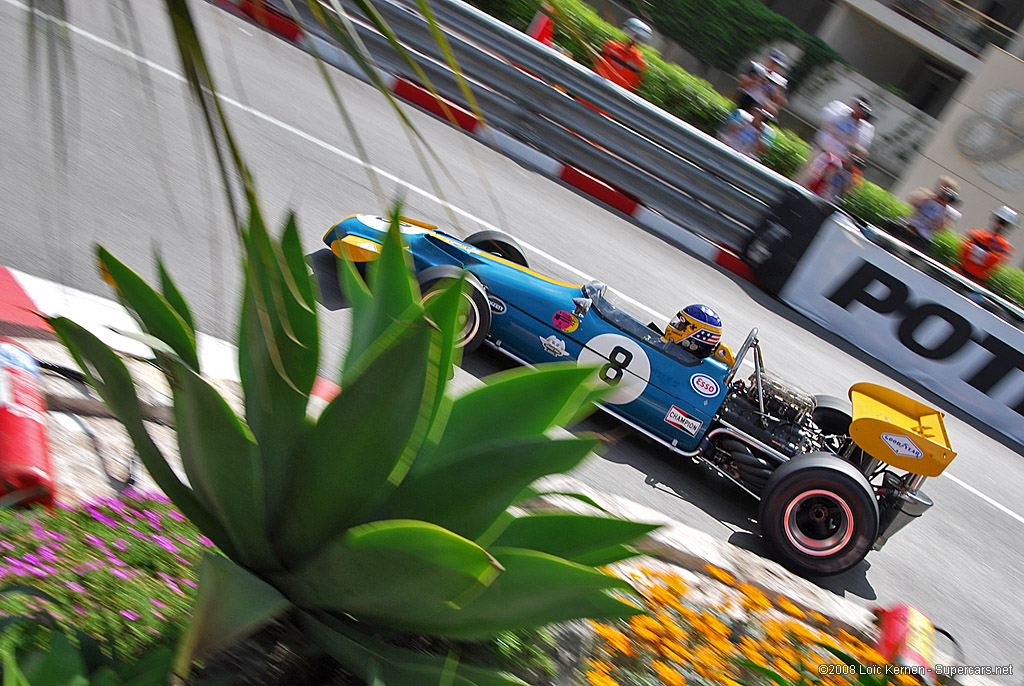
819	514
500	244
832	414
475	318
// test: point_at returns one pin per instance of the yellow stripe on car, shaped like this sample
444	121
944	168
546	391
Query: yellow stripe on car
500	260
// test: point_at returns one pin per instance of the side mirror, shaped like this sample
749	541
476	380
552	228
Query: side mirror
582	306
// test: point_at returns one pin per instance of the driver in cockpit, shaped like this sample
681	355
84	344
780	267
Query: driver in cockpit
698	329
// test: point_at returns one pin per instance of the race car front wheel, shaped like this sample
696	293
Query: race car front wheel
500	244
819	514
475	317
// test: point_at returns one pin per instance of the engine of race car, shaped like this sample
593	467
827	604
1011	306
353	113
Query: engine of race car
785	425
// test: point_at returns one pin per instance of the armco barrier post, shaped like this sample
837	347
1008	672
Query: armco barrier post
783	237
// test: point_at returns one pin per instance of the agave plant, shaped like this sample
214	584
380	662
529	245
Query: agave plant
388	513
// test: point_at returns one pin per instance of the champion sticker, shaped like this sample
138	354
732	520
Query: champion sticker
902	445
497	306
554	346
683	421
704	385
565	321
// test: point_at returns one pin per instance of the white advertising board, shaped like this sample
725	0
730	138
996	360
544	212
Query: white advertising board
916	325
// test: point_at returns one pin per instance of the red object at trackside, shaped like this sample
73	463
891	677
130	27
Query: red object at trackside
25	466
906	638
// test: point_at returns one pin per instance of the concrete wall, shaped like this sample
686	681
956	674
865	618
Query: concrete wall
900	129
980	142
877	53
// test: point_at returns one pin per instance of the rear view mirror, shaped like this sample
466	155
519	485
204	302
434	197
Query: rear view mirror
582	306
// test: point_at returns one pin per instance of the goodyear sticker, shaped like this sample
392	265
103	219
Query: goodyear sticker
902	445
565	321
682	421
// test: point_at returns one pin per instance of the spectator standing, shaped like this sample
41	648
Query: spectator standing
933	211
831	176
843	126
763	85
985	249
622	63
748	132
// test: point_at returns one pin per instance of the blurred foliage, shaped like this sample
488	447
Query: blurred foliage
786	154
945	247
875	205
724	32
1008	282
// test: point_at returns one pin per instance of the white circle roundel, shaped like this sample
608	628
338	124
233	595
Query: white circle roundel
623	365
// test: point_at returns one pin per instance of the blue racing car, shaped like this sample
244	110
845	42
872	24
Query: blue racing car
834	479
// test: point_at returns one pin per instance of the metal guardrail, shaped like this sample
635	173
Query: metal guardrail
668	165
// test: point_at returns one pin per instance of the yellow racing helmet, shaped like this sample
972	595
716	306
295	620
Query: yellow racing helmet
697	328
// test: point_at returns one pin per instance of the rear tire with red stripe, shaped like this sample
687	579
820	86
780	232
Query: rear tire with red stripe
500	244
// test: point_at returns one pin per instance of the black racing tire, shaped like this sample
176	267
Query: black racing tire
819	515
832	415
476	320
500	244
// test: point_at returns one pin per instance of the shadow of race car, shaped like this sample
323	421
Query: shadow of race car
835	478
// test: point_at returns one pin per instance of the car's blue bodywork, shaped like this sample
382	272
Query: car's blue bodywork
658	386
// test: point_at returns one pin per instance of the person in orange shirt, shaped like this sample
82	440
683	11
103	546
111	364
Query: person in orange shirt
983	249
622	63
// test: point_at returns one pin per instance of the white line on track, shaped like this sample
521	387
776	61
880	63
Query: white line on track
324	145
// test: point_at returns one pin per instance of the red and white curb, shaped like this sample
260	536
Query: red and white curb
456	115
23	297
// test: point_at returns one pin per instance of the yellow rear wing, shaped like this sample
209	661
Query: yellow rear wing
899	430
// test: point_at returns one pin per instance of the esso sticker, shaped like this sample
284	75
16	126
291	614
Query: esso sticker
623	365
704	385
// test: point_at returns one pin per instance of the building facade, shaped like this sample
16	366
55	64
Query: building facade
918	49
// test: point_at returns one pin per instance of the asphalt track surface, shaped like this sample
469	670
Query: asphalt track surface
127	165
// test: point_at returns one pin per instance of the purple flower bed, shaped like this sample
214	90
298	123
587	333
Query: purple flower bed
122	570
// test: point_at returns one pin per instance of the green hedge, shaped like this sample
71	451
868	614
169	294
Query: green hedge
875	205
945	247
1009	283
724	32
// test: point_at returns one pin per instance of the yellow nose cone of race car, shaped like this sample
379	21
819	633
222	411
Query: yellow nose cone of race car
357	249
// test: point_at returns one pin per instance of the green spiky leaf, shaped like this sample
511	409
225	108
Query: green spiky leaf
348	458
387	570
174	297
577	538
154	314
472	488
533	590
222	462
109	377
394	291
278	351
231	603
543	398
377	662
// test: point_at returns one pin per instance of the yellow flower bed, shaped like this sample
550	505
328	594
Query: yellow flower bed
687	639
